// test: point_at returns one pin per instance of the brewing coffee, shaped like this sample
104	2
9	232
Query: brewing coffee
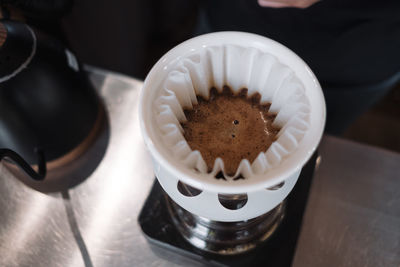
230	126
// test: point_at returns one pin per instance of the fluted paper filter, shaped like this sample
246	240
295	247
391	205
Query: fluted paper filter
237	67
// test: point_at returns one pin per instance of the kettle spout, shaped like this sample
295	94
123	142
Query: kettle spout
17	159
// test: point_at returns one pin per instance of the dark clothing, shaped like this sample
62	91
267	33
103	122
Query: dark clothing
345	104
345	42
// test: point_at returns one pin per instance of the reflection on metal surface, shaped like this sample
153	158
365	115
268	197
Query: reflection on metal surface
318	162
28	221
233	202
75	229
353	212
225	238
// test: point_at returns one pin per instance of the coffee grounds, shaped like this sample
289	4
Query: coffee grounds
230	126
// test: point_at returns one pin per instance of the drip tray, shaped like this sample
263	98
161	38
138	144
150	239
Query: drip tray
278	250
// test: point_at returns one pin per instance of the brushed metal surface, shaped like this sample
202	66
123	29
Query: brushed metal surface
94	223
353	212
352	218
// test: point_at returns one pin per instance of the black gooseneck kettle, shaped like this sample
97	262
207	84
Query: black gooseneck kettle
47	104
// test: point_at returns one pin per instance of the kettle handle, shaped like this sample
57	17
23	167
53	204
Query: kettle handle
16	158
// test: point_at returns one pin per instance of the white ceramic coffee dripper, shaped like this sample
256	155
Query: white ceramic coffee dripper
169	170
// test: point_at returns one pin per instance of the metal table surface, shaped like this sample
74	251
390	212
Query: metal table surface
352	217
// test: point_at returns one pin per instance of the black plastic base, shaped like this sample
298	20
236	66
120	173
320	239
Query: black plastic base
158	227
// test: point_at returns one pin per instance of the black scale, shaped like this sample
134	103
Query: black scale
278	250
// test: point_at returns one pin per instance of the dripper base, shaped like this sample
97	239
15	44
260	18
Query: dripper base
278	250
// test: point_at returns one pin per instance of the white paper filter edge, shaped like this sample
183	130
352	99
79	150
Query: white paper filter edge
238	67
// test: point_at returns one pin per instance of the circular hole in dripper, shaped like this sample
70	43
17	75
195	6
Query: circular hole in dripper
188	190
233	202
276	187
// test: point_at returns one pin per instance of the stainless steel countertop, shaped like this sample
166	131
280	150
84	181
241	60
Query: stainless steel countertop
353	212
352	218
